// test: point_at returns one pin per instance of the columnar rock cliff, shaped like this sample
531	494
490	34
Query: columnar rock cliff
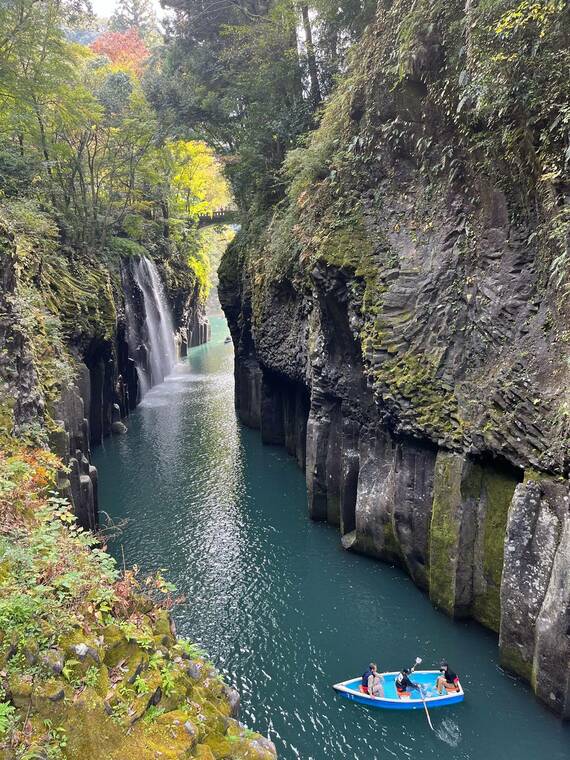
399	327
68	373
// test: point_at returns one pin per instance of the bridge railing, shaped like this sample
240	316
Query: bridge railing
220	216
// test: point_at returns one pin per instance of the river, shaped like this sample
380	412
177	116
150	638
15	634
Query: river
281	608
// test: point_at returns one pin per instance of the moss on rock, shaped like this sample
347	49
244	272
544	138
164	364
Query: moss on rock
497	492
445	530
99	672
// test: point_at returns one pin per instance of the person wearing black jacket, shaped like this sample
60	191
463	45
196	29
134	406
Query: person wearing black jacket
448	680
403	683
371	672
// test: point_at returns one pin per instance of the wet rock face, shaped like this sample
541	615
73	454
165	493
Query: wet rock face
535	613
394	498
104	387
107	386
22	403
412	306
398	493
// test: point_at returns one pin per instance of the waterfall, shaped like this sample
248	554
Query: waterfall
158	326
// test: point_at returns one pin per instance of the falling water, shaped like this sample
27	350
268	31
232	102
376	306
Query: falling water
158	323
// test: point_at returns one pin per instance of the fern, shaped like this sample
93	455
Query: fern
6	716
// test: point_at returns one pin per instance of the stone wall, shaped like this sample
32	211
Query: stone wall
107	388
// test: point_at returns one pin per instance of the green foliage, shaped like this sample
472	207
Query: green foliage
167	679
238	75
68	670
91	678
57	738
126	247
140	686
138	14
133	633
242	77
557	234
134	226
192	650
156	660
7	712
82	152
152	714
48	574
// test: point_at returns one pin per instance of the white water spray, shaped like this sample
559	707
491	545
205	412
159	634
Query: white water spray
158	323
449	732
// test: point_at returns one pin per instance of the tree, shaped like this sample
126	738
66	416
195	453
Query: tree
196	185
233	72
84	166
249	77
315	90
126	49
134	14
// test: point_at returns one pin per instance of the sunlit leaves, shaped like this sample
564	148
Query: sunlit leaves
198	186
528	12
126	49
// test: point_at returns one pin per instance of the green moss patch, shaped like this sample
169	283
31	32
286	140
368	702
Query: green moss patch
444	530
497	491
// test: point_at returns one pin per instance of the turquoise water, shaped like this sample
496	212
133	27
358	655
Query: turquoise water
281	608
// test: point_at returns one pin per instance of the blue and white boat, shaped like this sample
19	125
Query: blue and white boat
426	679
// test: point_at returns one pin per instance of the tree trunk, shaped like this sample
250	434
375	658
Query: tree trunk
315	91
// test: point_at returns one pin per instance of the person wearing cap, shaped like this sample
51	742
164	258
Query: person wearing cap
448	680
403	683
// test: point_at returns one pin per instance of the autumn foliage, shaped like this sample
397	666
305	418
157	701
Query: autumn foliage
126	49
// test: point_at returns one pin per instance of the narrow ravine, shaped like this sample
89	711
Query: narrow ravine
280	607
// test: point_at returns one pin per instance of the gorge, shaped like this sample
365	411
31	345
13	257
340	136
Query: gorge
282	610
369	457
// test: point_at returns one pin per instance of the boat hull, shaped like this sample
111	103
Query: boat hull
391	701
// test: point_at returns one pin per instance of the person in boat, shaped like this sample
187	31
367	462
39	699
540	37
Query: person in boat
375	684
448	680
403	683
372	682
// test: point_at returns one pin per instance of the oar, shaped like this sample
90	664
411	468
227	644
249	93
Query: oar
425	707
418	661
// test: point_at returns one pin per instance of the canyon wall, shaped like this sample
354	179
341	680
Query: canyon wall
91	664
70	370
484	535
398	328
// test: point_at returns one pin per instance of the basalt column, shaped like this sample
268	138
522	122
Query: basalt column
535	614
471	502
393	502
71	441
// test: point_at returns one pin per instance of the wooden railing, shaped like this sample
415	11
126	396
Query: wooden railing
222	216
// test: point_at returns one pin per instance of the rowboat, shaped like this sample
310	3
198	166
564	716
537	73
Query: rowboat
426	679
